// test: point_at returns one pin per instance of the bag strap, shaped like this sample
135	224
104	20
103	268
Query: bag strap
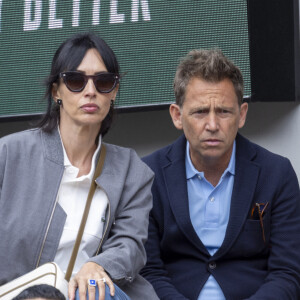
85	213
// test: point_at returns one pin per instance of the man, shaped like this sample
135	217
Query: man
225	222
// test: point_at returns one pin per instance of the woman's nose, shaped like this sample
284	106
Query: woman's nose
90	87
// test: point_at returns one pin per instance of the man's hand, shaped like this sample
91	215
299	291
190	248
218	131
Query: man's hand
88	271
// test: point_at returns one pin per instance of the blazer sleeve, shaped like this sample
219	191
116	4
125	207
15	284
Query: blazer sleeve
123	253
283	280
3	155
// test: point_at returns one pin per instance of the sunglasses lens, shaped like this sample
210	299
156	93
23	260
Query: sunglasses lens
74	81
105	82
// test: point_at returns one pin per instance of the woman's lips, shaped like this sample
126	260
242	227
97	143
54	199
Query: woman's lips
90	108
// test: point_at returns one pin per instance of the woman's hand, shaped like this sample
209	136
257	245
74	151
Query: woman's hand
88	271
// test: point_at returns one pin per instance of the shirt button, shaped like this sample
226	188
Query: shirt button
71	171
212	199
199	176
212	265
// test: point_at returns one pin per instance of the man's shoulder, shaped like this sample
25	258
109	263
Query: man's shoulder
250	150
165	155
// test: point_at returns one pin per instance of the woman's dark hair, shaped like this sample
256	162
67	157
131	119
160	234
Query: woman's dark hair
67	58
40	291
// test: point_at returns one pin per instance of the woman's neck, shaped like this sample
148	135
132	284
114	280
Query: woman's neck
80	145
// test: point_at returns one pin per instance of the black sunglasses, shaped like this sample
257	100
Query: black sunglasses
76	81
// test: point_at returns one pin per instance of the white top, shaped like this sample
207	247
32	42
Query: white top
72	196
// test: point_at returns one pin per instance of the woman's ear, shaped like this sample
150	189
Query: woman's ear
54	91
115	92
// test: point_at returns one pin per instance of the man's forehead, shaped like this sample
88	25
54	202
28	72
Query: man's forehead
210	92
209	98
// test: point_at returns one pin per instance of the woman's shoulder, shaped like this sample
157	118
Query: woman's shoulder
125	156
120	150
20	144
122	153
28	136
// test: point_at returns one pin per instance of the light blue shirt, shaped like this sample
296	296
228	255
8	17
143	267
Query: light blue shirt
209	208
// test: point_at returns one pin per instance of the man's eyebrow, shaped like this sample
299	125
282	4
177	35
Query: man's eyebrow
200	107
224	107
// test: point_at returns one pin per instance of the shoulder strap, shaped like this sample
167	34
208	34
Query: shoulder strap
85	213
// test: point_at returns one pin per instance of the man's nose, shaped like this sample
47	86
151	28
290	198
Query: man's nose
212	122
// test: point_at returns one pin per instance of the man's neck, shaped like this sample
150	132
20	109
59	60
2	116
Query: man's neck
212	168
213	175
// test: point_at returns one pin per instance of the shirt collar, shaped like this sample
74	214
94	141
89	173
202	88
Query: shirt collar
191	171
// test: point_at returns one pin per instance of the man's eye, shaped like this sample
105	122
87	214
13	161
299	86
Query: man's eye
201	111
224	111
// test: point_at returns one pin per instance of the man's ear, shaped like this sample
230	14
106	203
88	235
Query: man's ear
175	113
243	114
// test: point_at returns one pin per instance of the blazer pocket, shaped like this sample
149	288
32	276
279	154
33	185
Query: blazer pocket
252	237
250	240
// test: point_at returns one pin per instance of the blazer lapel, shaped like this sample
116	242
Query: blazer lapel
245	181
174	175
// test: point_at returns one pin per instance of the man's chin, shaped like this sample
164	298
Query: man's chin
214	155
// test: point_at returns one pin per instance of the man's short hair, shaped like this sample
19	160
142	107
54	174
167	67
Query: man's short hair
209	65
40	291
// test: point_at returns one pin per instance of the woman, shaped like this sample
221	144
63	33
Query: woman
45	175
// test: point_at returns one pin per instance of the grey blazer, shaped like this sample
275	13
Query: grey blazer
31	169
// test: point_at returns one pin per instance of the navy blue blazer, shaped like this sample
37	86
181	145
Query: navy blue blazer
245	266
